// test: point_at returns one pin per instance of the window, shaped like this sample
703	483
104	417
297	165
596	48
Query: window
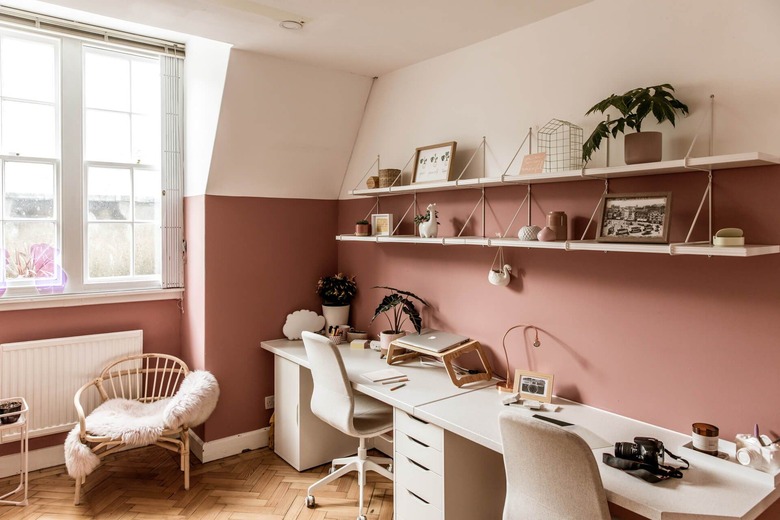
91	198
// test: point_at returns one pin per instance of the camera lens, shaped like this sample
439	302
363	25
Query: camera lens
626	450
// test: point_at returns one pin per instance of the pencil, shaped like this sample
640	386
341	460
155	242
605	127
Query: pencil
393	381
397	387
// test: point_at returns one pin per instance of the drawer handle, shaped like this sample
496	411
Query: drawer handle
417	464
416	419
418	497
418	442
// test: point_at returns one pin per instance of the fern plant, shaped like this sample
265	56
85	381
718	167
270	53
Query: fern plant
634	106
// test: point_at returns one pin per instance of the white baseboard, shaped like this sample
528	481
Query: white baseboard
37	459
227	446
204	451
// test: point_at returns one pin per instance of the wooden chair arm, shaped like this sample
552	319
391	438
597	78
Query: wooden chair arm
80	409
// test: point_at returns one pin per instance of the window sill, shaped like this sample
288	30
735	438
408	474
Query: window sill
77	300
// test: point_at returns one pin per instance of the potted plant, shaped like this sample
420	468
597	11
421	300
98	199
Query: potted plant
634	106
336	292
397	307
362	228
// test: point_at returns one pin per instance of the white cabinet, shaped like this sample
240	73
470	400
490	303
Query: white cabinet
300	437
440	475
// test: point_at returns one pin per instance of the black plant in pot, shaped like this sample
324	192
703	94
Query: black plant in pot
10	407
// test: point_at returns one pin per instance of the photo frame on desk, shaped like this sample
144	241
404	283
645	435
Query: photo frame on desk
534	385
434	163
382	224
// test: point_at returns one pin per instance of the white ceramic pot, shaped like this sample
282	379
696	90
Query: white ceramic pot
500	278
335	315
386	337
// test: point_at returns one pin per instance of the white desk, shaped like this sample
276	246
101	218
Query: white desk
711	488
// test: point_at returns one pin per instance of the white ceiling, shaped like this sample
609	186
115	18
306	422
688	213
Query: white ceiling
367	37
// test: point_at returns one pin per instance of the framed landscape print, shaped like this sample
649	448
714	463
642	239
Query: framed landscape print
434	163
637	217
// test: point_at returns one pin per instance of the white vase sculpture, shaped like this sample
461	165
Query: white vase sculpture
430	228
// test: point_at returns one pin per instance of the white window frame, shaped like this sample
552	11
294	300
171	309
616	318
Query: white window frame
71	202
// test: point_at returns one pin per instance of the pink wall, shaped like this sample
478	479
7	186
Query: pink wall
262	260
667	340
160	321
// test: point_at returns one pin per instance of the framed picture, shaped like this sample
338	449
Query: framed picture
434	163
382	224
533	385
637	217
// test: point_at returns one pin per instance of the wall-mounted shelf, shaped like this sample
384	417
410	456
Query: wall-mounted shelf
576	245
717	162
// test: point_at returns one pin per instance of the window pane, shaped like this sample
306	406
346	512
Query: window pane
147	195
28	255
27	69
28	129
29	190
147	249
109	249
108	136
146	139
146	87
107	81
109	193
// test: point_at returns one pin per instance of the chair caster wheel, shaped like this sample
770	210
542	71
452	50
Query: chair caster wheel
331	470
361	517
390	468
310	501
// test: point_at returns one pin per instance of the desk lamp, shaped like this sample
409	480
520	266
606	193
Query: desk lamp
508	385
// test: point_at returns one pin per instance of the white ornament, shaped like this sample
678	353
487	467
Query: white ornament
302	320
528	233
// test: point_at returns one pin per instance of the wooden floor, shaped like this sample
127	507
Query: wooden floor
146	483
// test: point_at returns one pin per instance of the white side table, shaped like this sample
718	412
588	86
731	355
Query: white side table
23	437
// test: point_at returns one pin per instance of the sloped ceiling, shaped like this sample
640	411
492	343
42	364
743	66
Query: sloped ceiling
366	37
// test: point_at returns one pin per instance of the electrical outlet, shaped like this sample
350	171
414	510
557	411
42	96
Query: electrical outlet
269	402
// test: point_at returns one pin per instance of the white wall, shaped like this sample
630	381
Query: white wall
285	129
561	66
204	80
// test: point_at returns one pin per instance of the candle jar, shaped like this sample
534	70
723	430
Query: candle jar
705	438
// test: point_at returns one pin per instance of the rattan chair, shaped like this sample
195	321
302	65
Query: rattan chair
145	378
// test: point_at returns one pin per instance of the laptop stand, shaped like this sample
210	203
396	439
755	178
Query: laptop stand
398	352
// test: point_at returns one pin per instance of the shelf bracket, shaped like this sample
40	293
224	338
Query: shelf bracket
412	205
480	201
598	205
374	207
709	115
527	138
511	223
707	196
375	163
482	146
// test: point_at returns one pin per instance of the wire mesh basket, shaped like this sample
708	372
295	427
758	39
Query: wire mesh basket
562	142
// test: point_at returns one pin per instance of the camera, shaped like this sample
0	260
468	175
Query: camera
643	449
751	453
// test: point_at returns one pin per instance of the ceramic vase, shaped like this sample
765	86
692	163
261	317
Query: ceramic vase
546	234
386	337
528	233
335	315
500	278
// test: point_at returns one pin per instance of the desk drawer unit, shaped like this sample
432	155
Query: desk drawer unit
440	475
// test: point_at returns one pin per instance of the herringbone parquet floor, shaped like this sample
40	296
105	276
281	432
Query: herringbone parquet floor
146	483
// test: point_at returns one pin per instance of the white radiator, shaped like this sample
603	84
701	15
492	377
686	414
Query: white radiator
48	372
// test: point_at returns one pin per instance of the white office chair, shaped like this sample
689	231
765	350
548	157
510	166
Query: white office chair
354	414
551	473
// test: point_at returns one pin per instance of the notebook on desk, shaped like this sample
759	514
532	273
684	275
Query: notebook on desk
433	340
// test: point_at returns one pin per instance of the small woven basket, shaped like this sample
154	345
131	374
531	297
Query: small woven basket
386	177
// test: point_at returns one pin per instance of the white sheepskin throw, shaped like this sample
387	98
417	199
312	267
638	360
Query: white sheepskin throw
193	403
140	424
